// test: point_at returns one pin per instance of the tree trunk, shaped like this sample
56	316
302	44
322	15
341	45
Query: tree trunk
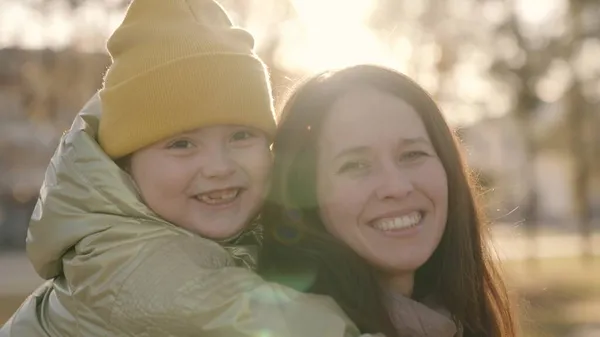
579	146
579	138
530	203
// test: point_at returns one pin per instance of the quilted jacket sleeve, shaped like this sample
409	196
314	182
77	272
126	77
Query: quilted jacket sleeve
181	290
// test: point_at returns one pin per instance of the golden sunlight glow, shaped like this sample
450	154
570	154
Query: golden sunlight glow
335	33
535	12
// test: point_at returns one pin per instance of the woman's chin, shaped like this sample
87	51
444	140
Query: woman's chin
399	263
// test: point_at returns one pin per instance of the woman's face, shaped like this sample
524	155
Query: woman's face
381	187
210	181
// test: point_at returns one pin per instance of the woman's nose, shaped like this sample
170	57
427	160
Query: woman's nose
393	183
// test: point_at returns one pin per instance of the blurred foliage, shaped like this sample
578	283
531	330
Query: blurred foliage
43	5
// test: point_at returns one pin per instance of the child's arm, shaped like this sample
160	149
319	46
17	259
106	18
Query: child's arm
186	288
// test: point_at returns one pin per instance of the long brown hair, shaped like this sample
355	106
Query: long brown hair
462	274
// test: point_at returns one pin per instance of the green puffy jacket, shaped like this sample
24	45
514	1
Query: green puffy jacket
116	269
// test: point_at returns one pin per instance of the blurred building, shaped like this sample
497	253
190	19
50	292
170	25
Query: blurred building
40	92
495	149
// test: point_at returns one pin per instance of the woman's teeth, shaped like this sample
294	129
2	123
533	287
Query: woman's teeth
219	197
406	221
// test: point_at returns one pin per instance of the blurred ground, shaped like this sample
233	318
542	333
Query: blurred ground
17	280
560	295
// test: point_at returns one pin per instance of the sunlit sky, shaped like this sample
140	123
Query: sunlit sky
310	42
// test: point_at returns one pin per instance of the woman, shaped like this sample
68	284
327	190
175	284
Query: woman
371	203
162	244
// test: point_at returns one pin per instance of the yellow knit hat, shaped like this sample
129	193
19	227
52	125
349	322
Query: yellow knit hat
178	65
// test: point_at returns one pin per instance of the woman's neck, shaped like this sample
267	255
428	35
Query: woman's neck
401	283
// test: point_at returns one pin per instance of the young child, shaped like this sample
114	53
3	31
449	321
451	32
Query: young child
144	225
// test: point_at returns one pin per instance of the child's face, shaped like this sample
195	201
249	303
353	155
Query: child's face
211	181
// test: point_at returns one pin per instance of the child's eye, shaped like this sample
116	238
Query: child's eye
180	144
354	166
242	135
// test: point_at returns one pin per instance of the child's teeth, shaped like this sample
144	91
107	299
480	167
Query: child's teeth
405	221
219	196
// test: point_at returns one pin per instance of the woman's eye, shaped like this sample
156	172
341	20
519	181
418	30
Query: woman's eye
412	155
180	144
353	166
242	135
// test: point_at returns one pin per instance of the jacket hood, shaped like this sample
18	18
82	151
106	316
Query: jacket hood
84	192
